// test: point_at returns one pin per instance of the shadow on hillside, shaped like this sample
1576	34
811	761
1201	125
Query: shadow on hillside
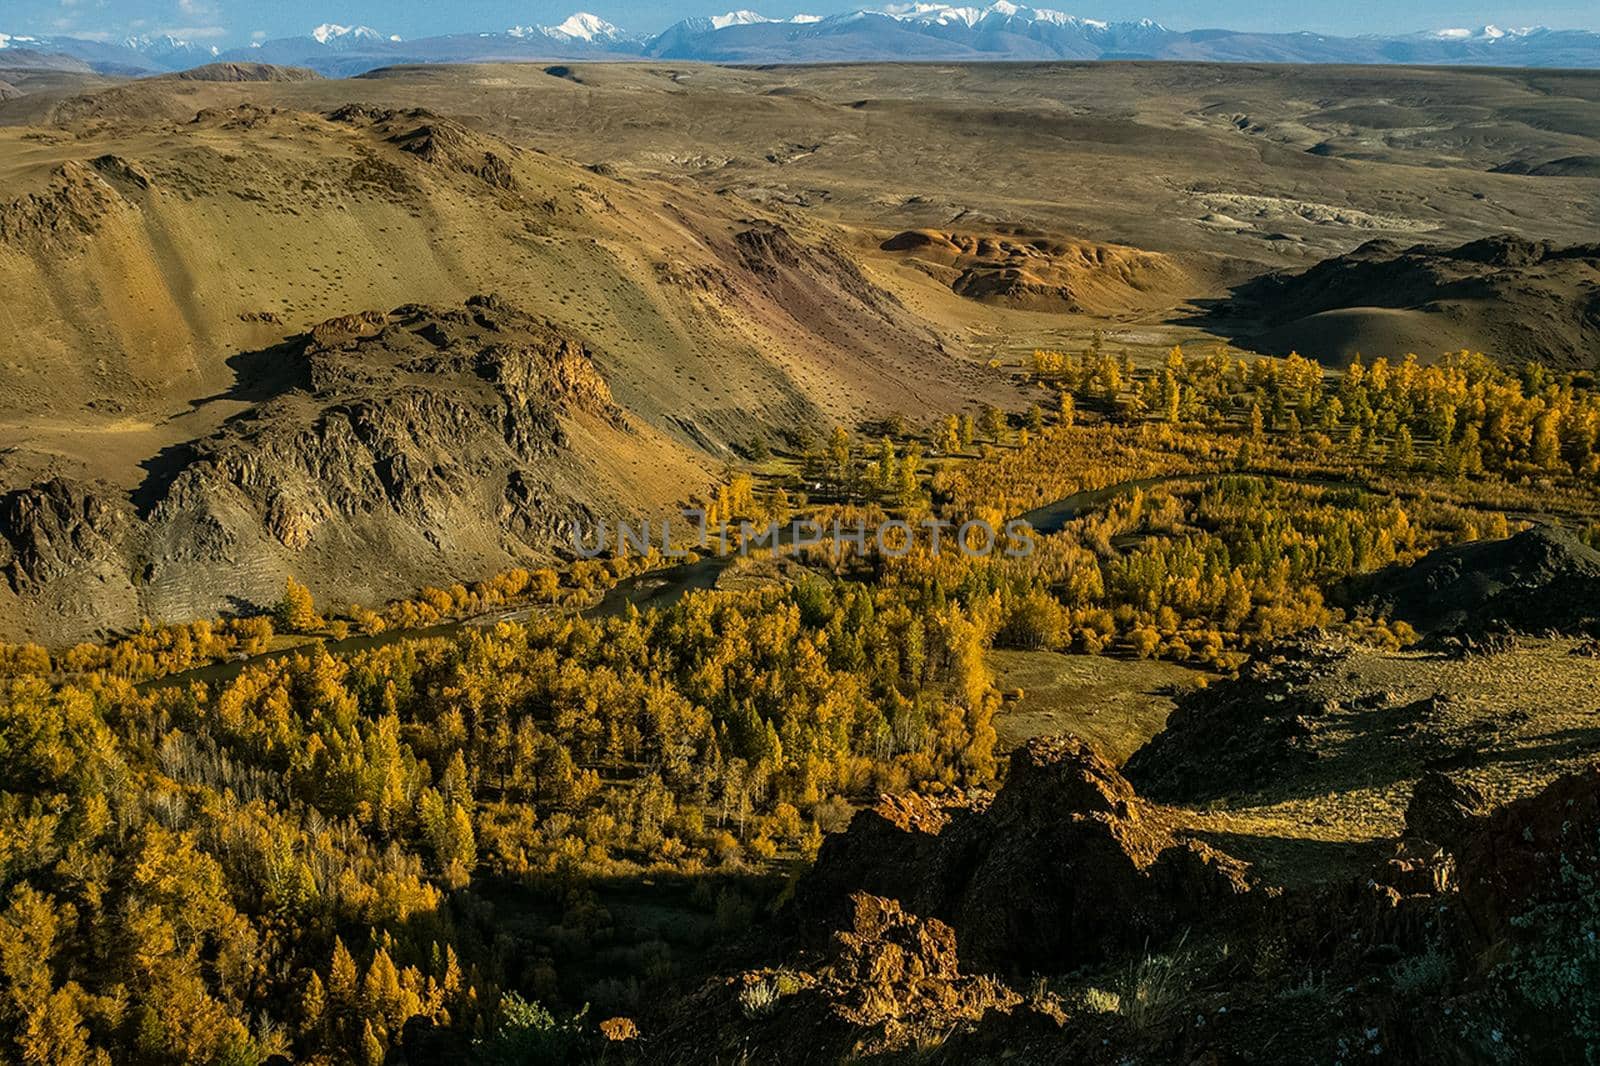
258	376
1294	861
264	373
587	944
1234	317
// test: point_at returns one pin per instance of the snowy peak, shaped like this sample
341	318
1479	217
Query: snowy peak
939	14
1485	33
580	28
585	27
755	18
738	18
336	36
166	46
1002	14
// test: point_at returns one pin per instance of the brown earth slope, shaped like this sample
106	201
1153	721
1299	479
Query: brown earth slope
138	257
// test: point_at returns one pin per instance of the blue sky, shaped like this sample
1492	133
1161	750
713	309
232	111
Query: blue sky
235	22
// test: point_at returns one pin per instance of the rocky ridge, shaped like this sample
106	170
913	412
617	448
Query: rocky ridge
414	436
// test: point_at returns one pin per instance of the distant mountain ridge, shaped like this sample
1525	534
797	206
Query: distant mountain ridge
1001	31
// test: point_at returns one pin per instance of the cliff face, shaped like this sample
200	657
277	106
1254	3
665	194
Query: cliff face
57	527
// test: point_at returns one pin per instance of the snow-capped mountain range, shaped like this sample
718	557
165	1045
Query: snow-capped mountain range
172	50
1486	33
332	35
916	31
584	27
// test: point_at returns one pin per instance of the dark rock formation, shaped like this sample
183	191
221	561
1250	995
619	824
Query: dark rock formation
1066	866
885	982
412	415
1443	811
1544	579
1540	851
893	971
1253	729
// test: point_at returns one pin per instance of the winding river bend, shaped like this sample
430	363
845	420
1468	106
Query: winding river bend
663	588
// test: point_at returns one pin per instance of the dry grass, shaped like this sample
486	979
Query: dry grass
1507	723
1117	704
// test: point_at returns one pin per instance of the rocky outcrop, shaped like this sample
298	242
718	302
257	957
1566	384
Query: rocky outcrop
435	140
895	974
1444	811
246	116
1543	579
116	168
888	981
1542	851
1042	273
415	415
57	527
73	206
447	144
1066	866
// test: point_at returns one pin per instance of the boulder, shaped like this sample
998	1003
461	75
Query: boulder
896	973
